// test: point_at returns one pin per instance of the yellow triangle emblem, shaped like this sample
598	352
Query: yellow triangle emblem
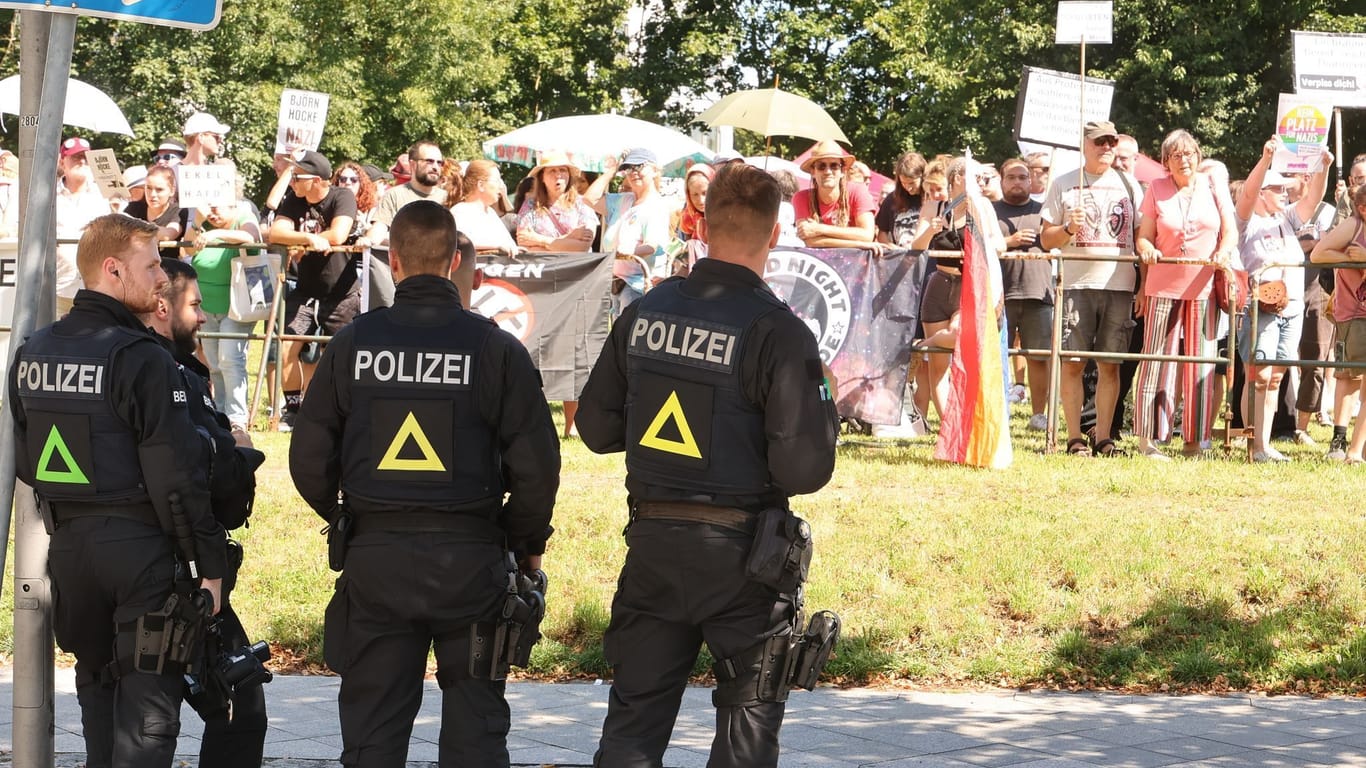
430	461
72	475
686	445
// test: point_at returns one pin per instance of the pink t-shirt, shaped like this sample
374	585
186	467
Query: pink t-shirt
860	201
1186	228
1349	286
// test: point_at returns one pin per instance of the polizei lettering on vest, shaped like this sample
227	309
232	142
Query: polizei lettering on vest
682	341
61	377
384	366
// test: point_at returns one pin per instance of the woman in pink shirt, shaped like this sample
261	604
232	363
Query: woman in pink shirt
1347	242
1185	217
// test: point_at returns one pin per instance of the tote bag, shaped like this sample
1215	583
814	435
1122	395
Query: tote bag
255	278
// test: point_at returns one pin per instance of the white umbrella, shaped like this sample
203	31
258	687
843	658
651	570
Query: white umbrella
86	106
590	139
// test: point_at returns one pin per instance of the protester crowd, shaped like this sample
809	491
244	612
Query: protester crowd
1141	277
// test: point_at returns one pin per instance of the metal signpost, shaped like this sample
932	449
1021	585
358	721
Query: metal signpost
48	34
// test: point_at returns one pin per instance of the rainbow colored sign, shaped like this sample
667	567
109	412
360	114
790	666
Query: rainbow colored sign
1302	126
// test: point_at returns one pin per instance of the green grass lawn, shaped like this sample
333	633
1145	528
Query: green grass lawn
1062	571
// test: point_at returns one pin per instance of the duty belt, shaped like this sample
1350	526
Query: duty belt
474	522
65	512
726	517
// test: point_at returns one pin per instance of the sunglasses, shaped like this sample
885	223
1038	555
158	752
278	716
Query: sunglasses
1105	141
166	157
628	168
348	179
828	166
1275	189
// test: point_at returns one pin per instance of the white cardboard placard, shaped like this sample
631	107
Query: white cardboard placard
1047	111
206	185
1330	67
104	166
1085	21
1302	125
302	117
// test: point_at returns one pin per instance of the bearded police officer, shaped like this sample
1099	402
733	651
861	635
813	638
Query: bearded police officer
715	391
232	701
427	444
106	440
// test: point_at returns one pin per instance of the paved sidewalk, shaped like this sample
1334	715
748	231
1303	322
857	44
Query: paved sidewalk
558	724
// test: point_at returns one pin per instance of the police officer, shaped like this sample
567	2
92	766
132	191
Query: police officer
714	389
426	424
97	400
235	720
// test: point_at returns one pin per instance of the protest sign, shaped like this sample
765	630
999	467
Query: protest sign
1330	67
1302	126
1085	22
1046	111
302	116
206	185
104	166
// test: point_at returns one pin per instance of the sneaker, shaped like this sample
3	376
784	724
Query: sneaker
911	426
1269	456
1303	438
286	422
1337	449
1038	422
1017	394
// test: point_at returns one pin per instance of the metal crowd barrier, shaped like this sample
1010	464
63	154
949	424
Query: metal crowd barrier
1055	353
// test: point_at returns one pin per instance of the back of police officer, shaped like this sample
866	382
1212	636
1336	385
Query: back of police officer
714	390
235	720
106	440
431	422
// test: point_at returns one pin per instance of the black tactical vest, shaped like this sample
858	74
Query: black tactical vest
78	449
688	424
415	437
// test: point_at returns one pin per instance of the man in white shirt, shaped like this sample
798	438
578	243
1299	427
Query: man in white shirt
78	203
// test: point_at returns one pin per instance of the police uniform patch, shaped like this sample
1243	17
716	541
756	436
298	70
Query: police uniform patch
686	341
680	416
64	454
413	438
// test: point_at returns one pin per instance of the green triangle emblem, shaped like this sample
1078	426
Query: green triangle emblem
72	475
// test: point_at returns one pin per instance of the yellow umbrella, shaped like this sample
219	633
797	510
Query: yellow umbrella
774	112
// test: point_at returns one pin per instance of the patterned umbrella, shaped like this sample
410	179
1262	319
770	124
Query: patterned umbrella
590	139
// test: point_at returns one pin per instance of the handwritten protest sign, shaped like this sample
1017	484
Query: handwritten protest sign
1088	22
302	117
206	185
1302	126
1046	111
105	168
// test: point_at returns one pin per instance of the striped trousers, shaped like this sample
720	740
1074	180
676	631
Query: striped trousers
1176	327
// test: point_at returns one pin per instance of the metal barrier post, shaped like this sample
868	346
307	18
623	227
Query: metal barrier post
1055	355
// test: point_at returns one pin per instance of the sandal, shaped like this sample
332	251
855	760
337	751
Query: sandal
1077	446
1108	449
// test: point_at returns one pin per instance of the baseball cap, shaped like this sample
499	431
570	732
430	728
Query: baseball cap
313	163
203	122
134	176
640	156
1274	179
74	146
375	174
1098	128
727	156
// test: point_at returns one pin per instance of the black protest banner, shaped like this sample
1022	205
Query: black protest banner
557	304
863	311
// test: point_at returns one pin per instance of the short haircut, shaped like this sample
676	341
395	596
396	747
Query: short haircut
787	183
1012	161
1124	137
1035	156
742	204
424	237
109	236
1359	199
420	143
1178	140
178	276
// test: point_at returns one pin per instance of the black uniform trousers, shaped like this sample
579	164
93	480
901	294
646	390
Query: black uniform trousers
400	595
682	584
238	741
108	570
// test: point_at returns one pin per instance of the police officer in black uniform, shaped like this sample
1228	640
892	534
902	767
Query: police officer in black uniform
426	426
106	440
714	389
235	721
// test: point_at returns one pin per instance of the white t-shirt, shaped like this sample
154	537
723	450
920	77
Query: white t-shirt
73	213
1269	239
1111	223
484	227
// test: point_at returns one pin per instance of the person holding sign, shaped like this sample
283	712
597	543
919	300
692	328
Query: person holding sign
1267	238
1187	217
203	139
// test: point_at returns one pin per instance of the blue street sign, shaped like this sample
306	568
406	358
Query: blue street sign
192	14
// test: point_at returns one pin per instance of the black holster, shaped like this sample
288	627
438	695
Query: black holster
171	638
338	535
496	647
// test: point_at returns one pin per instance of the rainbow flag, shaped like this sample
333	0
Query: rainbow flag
976	428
